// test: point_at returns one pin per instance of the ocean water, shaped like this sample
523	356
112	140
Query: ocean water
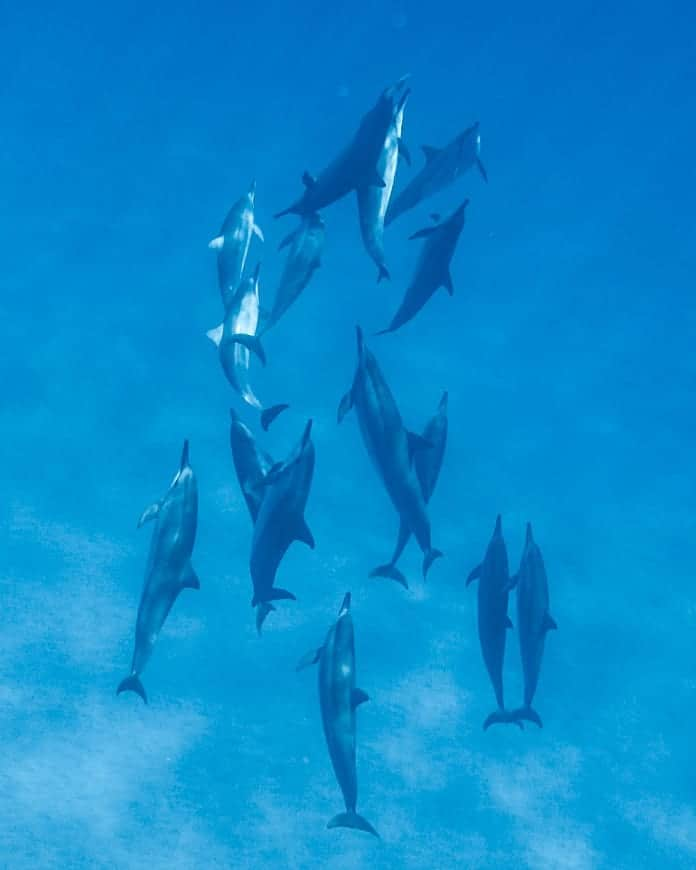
567	350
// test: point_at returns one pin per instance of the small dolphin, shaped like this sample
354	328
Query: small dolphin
493	619
390	446
533	621
338	699
428	464
356	165
168	566
306	244
280	521
442	167
232	243
251	464
374	201
433	267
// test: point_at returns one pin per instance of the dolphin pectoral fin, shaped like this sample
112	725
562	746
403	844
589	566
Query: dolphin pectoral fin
358	697
280	595
309	658
504	717
149	513
508	622
250	342
304	534
421	234
416	442
391	572
189	578
132	684
429	152
268	415
351	819
216	243
256	230
447	283
429	558
474	575
482	169
345	405
528	714
549	623
215	334
404	153
287	240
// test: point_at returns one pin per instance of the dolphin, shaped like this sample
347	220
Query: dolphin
339	699
433	267
493	619
442	167
428	464
168	568
232	243
533	621
279	522
390	446
373	201
306	244
251	464
356	165
236	336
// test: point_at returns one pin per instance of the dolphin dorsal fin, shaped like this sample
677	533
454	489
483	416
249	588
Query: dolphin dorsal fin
549	623
357	697
430	152
304	534
189	578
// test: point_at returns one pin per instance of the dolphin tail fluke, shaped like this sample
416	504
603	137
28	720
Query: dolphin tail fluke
262	611
528	714
352	820
269	414
429	558
391	572
383	272
280	595
503	717
132	684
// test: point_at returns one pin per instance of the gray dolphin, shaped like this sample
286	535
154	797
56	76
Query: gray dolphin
338	699
306	244
533	621
168	568
433	267
232	243
493	619
356	165
390	446
442	167
373	201
280	521
428	464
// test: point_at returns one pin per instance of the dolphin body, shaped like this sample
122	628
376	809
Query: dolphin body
168	568
373	201
493	619
306	245
533	622
443	166
428	463
232	243
356	165
251	464
279	522
390	447
433	267
339	699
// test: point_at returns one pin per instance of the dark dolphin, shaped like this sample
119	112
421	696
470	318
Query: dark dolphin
251	464
433	267
169	567
442	167
338	699
390	446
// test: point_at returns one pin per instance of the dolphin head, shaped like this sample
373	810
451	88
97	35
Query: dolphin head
442	407
345	607
498	530
530	538
360	340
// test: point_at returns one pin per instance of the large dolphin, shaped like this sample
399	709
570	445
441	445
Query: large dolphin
280	521
533	621
442	167
356	165
390	446
493	619
428	463
232	243
338	699
236	336
169	567
433	267
373	201
306	244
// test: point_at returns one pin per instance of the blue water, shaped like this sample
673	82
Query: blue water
567	350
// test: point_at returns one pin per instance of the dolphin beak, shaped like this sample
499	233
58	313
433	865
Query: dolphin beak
345	607
252	191
184	456
360	340
443	401
530	539
307	433
498	526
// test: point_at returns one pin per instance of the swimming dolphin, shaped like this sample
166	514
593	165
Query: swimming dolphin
493	619
232	243
442	167
390	446
251	464
168	566
306	244
338	699
280	521
373	201
533	621
428	464
356	165
433	267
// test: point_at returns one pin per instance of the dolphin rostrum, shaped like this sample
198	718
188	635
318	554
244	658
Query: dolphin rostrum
232	243
493	619
390	447
433	267
168	568
428	464
442	167
339	699
280	521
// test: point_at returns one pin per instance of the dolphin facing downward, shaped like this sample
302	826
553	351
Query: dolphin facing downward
338	699
168	567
